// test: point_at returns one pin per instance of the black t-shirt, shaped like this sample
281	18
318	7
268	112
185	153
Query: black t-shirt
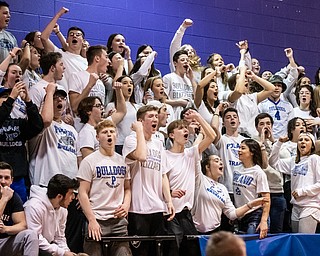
14	205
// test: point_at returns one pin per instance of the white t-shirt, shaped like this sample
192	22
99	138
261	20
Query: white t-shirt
107	175
228	148
211	199
53	151
87	138
181	175
19	109
72	62
124	127
77	81
146	177
38	92
30	77
305	178
247	106
177	87
281	112
248	183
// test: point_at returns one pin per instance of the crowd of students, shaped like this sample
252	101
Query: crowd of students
93	142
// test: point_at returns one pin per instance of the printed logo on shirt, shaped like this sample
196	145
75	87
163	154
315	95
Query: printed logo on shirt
242	180
301	169
111	173
181	91
153	160
21	105
9	135
217	192
5	43
234	149
66	140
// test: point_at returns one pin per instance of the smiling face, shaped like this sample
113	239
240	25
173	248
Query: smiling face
158	89
266	75
217	60
244	152
215	166
127	87
255	66
118	43
5	177
277	92
304	145
4	17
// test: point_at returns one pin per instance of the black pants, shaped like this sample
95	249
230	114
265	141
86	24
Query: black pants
145	225
181	225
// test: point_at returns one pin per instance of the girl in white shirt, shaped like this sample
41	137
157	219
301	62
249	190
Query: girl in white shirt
250	182
212	198
305	182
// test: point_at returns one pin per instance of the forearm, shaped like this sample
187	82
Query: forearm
75	97
85	205
62	40
15	229
242	210
264	83
166	189
141	150
266	208
121	103
198	96
25	58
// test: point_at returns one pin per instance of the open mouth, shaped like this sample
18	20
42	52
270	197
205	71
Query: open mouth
59	106
233	123
154	126
266	132
185	67
221	168
109	140
186	135
74	41
129	90
215	94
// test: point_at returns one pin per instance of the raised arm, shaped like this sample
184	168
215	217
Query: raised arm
47	112
140	153
176	41
11	56
199	90
118	115
208	132
60	36
45	35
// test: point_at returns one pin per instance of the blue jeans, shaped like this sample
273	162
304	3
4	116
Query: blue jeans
277	211
251	221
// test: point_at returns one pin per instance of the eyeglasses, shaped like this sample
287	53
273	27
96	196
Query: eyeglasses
98	106
306	93
78	34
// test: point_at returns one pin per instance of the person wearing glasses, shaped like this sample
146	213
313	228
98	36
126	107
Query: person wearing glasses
72	55
86	82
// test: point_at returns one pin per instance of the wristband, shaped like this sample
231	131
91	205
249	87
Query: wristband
215	114
57	32
250	207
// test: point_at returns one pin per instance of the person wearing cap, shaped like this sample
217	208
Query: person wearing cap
305	181
15	132
105	170
277	107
